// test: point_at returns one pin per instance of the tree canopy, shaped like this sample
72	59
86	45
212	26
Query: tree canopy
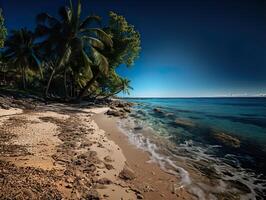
76	56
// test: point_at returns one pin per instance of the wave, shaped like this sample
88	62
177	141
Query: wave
220	178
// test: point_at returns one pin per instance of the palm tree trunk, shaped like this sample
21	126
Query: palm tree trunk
49	83
54	69
23	72
88	85
65	84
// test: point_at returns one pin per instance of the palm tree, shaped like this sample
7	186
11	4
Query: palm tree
123	86
20	53
70	38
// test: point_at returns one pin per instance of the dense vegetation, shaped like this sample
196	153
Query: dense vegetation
69	56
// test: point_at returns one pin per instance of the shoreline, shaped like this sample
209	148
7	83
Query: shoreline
75	152
150	179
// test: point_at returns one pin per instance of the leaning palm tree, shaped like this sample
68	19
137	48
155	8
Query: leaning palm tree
70	39
20	53
122	86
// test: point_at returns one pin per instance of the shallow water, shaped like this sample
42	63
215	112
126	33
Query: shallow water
192	138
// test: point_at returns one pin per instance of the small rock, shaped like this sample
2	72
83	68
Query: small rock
113	113
104	181
127	174
69	185
69	180
140	196
137	128
157	110
77	162
127	110
108	166
90	168
92	195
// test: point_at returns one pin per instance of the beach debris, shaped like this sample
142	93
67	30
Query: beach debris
227	139
127	174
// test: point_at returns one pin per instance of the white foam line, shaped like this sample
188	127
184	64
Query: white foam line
198	154
144	143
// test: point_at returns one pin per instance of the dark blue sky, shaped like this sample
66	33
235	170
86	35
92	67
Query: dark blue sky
189	47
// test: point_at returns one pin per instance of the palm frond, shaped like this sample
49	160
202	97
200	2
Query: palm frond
100	61
90	19
101	35
96	43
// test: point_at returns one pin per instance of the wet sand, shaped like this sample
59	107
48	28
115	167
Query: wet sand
150	179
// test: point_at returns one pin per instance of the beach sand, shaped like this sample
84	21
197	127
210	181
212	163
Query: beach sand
63	152
150	179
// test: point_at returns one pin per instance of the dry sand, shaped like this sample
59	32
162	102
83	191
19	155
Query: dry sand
59	152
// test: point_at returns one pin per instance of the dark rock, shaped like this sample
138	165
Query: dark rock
121	105
67	172
90	168
86	144
127	110
69	185
127	174
108	159
77	162
4	106
157	110
138	128
113	113
88	155
104	181
92	195
108	166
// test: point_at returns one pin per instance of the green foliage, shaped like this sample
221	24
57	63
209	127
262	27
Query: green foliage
126	41
20	53
77	56
3	31
74	44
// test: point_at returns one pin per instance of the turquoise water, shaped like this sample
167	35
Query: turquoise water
181	134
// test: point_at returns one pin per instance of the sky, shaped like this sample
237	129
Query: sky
190	48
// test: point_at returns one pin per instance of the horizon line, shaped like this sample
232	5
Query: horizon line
184	97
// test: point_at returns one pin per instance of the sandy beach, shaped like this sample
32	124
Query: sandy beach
65	152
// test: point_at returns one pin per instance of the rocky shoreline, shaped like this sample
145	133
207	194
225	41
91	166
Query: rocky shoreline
75	170
53	150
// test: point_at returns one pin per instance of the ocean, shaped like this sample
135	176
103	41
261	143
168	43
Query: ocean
216	146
